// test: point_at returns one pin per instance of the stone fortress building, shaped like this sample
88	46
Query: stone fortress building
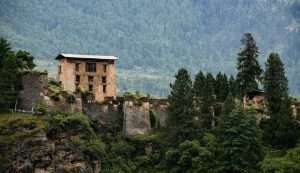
92	73
96	74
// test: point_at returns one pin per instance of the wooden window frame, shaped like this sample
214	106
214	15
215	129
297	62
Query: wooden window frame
91	67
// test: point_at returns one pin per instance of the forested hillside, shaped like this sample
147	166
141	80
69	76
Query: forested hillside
153	38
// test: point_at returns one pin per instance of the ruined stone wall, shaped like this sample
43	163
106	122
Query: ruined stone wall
35	86
62	105
159	109
130	114
136	117
106	113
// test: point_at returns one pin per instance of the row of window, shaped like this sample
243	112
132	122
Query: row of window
90	67
91	87
90	79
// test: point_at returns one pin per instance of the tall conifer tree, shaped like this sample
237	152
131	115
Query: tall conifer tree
180	110
208	101
280	131
239	139
9	76
249	70
4	50
275	83
11	67
199	84
229	104
218	85
221	87
232	85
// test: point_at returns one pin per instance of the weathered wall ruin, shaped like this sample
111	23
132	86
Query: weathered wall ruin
35	86
159	109
136	117
131	114
62	105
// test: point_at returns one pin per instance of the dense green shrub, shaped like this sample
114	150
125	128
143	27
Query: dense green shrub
288	163
71	99
41	107
71	123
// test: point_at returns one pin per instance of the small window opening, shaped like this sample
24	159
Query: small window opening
104	88
77	65
103	79
90	88
77	78
104	68
90	78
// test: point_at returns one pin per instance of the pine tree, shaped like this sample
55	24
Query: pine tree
208	101
4	50
221	87
25	60
249	70
280	130
9	76
229	104
275	83
180	108
218	85
209	89
225	90
286	135
239	140
198	93
199	84
233	87
11	66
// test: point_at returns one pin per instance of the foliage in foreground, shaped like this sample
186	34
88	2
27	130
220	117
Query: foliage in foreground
288	163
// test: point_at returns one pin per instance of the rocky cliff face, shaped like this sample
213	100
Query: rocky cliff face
33	145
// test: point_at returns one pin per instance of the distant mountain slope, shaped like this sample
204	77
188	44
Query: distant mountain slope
156	37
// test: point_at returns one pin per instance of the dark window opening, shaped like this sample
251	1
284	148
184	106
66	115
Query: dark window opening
90	78
105	68
103	79
104	88
77	65
77	78
90	67
90	88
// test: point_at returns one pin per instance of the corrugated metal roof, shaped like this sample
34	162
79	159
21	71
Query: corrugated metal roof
81	56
